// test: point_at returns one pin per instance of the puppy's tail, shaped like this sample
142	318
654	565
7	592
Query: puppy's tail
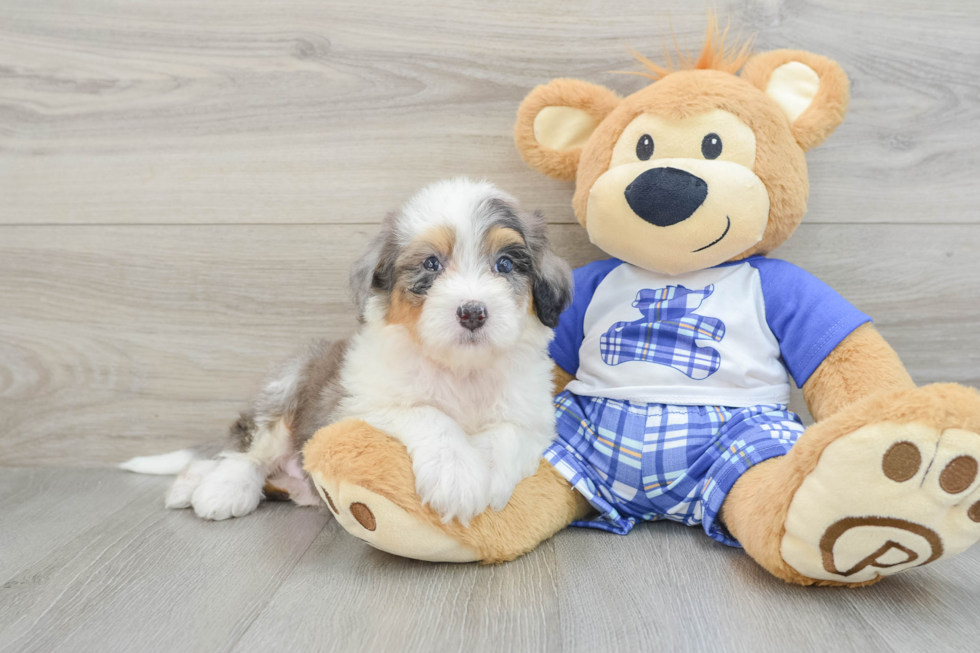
168	463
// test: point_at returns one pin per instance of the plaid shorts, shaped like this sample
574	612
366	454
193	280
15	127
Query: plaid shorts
637	461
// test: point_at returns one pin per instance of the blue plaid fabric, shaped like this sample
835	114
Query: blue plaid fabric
636	461
667	332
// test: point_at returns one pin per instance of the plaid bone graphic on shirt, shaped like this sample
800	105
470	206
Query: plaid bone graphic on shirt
667	332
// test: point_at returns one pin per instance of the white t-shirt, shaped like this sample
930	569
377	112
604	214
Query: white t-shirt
723	336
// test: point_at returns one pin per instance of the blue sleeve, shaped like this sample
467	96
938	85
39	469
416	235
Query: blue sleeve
570	330
808	317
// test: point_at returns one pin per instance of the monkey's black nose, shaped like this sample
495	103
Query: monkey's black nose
472	315
666	196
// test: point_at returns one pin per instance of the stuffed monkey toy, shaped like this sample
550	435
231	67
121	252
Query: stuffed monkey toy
675	358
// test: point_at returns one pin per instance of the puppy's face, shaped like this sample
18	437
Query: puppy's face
465	272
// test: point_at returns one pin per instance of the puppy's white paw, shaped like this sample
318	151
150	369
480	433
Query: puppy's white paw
179	495
453	479
503	459
232	489
502	487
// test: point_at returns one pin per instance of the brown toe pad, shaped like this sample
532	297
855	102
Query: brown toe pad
363	515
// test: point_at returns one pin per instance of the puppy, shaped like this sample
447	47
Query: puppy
457	297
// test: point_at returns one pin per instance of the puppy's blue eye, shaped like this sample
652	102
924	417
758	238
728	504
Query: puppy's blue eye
432	264
504	265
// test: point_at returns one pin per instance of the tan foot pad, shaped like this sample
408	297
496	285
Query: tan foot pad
382	524
886	498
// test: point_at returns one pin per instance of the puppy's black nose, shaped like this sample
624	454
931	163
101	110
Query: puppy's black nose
472	315
666	196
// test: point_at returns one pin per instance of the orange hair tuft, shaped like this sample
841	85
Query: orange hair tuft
713	56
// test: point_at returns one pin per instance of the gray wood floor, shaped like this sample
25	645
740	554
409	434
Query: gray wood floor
91	561
182	186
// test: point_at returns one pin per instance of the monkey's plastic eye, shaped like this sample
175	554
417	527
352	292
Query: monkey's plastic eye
432	264
504	265
711	146
644	147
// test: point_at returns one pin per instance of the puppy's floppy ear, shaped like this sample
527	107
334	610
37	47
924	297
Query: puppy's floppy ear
812	91
555	121
552	288
374	271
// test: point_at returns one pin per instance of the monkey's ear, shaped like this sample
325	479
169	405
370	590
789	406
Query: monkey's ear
555	121
812	91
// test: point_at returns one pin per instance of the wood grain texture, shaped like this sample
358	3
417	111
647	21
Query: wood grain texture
41	508
371	601
145	578
691	578
929	608
736	604
124	340
333	112
126	575
182	185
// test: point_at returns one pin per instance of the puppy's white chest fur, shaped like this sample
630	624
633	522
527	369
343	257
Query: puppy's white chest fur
385	371
457	295
472	433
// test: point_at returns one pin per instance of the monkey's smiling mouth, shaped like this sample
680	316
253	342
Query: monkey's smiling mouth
718	240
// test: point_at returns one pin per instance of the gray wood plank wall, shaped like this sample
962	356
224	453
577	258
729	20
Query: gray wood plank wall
183	183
